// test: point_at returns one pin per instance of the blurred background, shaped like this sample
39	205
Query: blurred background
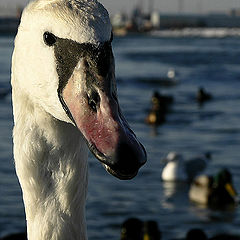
164	6
173	48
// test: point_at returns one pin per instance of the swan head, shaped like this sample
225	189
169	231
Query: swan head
63	62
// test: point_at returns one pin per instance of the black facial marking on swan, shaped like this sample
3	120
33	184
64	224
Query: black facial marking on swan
68	53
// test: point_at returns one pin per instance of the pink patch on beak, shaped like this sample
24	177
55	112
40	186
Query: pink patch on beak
101	128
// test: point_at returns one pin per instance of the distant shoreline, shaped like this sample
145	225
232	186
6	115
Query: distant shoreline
9	26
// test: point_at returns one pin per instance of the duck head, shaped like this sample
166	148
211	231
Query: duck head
223	181
65	55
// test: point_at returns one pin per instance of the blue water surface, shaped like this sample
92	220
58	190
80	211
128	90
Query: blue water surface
213	63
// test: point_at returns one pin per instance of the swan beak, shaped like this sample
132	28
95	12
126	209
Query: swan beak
92	105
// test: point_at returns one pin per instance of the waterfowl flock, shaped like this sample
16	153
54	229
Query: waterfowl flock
213	191
161	105
136	229
216	192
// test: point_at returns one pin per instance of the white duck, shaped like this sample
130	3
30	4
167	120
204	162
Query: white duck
64	99
178	169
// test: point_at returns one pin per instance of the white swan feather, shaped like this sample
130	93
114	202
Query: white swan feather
49	134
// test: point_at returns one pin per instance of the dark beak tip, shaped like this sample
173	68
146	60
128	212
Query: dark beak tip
130	159
143	155
125	162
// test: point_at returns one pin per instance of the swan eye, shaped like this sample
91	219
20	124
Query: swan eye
49	39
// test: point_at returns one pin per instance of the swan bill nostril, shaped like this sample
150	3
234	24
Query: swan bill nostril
94	100
86	64
92	105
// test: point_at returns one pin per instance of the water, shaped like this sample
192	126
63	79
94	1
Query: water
190	129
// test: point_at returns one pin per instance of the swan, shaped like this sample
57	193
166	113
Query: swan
64	102
179	169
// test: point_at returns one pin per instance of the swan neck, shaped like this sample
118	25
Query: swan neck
51	164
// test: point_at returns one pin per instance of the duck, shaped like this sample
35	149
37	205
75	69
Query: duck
214	191
178	169
64	105
202	95
136	229
132	228
151	230
159	109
